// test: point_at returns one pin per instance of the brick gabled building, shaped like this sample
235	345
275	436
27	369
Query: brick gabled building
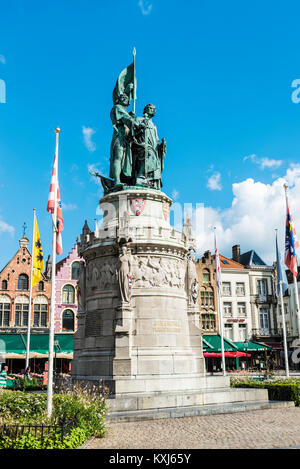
67	273
14	295
207	298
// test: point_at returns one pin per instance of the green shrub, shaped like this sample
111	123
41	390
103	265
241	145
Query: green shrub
84	410
81	412
22	407
277	391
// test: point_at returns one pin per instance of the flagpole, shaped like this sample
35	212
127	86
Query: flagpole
52	307
286	359
134	82
284	332
218	278
30	296
294	277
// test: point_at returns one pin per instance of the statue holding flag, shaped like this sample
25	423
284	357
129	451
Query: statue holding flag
136	153
120	150
123	125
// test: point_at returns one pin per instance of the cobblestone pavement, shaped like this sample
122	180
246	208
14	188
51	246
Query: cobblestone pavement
271	428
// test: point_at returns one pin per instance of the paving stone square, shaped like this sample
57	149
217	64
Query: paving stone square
261	429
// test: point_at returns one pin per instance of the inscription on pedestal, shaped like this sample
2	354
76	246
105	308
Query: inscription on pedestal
93	325
166	326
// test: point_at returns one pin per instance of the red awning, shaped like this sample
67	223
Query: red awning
227	354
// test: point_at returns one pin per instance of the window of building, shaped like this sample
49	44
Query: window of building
40	315
228	331
208	322
224	261
4	285
264	321
23	282
262	287
68	321
226	288
75	270
4	314
41	286
68	295
240	289
21	314
242	332
206	276
227	308
207	298
285	310
241	309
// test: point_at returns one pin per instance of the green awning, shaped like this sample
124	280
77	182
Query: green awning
252	347
212	343
14	345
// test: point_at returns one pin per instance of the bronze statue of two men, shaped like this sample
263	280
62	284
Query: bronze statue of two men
136	156
136	153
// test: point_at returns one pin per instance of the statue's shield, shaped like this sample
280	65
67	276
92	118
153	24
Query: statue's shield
166	210
137	206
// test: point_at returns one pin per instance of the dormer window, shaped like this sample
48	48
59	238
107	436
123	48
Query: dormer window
23	282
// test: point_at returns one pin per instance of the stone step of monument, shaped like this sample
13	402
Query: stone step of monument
192	411
178	399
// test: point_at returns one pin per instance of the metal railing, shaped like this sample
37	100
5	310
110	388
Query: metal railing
38	431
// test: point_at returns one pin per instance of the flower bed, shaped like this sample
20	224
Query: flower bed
78	414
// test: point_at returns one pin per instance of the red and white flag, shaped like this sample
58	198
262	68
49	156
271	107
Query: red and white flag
51	208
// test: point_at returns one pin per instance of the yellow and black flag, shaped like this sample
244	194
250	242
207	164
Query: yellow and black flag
37	256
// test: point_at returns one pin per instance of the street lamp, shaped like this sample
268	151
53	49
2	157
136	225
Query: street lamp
56	347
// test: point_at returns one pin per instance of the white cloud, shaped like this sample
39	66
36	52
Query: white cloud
5	228
68	207
2	59
88	132
257	209
263	162
269	163
145	7
214	182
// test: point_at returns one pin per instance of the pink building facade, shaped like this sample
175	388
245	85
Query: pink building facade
67	273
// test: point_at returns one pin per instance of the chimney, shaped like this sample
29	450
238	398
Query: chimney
236	252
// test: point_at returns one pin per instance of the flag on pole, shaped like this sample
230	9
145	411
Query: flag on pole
291	244
37	256
281	275
126	84
50	206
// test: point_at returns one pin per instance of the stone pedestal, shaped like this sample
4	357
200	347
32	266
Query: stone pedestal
153	341
138	317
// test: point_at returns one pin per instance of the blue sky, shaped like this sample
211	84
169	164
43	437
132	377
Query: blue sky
220	74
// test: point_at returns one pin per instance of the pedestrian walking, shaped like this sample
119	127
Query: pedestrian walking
4	377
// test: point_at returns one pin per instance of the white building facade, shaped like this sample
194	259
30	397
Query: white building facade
235	300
